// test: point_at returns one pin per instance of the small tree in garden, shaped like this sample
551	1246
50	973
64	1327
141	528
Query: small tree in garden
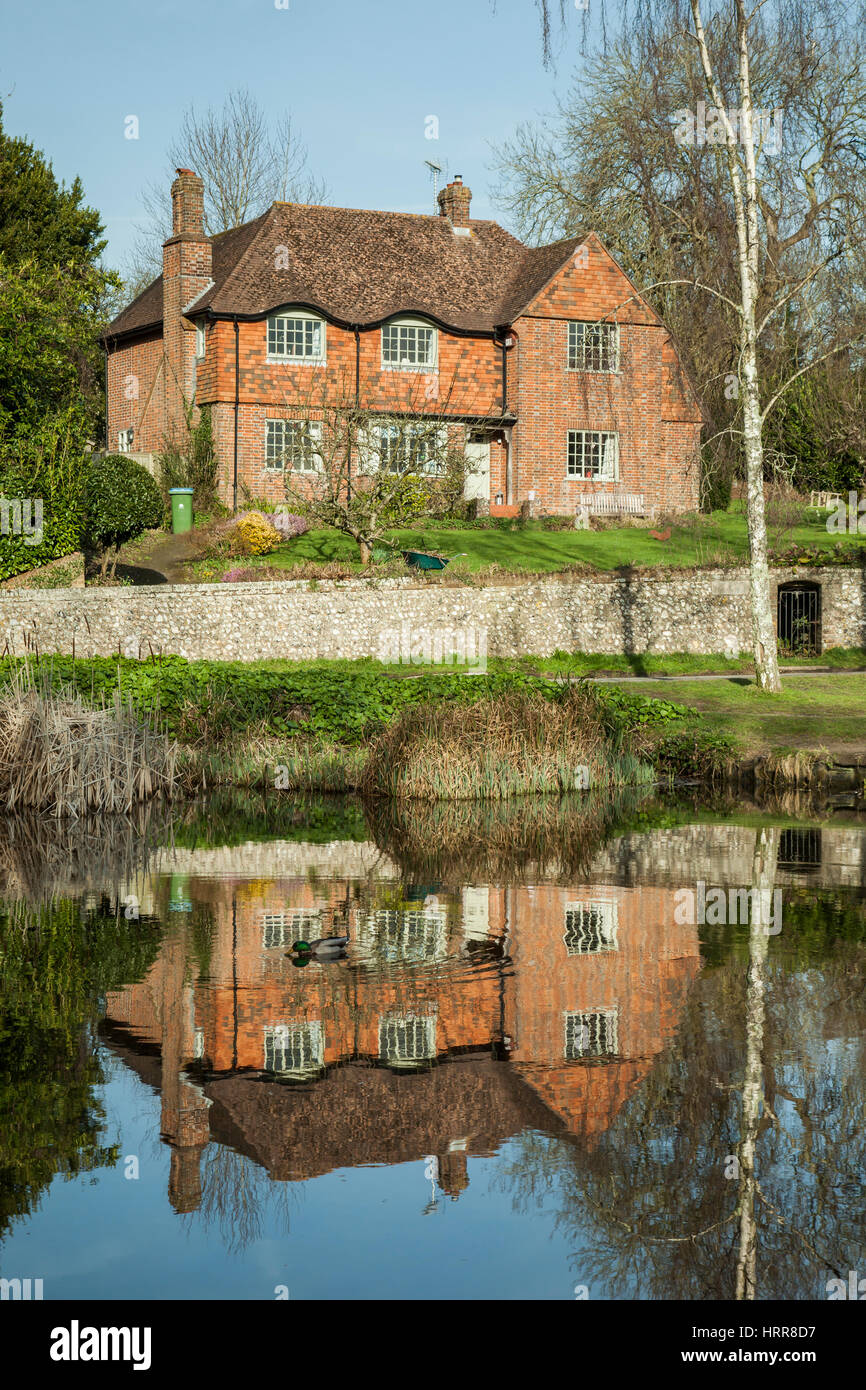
121	500
365	471
189	459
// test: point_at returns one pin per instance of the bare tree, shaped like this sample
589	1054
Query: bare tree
365	470
247	160
784	232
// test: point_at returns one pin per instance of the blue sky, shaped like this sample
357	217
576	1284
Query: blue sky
359	77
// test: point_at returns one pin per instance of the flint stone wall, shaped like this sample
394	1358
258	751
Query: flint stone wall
693	611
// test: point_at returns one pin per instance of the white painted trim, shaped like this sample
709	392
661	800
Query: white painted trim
283	359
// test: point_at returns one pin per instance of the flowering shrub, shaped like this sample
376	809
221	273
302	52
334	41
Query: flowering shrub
289	524
255	535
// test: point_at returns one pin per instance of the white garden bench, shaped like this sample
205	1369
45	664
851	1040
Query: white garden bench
613	503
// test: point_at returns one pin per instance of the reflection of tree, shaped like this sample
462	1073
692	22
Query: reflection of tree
56	963
240	1198
765	1069
763	876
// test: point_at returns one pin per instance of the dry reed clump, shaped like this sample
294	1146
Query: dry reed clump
517	745
60	757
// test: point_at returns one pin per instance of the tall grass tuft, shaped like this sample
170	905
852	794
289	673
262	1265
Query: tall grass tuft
60	757
520	744
264	761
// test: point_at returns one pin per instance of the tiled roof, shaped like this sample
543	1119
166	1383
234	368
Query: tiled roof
145	311
361	267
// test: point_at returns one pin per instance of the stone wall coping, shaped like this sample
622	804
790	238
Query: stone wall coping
735	577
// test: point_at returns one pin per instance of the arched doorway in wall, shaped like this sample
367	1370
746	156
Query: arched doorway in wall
798	618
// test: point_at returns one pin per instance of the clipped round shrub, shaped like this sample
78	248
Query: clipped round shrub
256	534
121	500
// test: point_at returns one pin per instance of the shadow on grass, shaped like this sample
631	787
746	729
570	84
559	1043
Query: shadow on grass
139	575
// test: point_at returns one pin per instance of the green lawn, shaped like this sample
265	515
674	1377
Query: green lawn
720	536
673	663
813	712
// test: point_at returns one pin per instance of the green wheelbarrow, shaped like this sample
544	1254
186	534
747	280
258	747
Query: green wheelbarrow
422	560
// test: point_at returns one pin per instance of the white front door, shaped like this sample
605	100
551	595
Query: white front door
477	482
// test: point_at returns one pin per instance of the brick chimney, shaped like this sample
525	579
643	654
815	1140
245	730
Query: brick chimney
187	262
454	202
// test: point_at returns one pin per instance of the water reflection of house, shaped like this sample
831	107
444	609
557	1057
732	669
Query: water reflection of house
545	1004
600	978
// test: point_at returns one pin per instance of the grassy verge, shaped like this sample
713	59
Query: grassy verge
311	726
813	713
670	663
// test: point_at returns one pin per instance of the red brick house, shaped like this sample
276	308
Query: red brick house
546	360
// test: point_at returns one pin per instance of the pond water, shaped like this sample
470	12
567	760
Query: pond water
559	1058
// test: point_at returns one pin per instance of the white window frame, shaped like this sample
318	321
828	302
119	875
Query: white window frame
592	928
423	1028
608	443
581	347
296	316
283	1038
429	365
282	464
200	340
370	445
406	934
596	1044
280	929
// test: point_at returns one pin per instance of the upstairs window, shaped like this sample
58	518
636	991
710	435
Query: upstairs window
293	444
295	1049
593	347
296	338
200	344
593	454
406	1040
409	345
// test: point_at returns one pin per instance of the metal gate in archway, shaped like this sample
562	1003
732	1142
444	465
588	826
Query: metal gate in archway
798	619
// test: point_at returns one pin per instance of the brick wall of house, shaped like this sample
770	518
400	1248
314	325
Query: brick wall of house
647	403
136	397
468	382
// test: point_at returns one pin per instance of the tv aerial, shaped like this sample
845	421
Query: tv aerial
435	172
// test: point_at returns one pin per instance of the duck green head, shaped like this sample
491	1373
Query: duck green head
301	948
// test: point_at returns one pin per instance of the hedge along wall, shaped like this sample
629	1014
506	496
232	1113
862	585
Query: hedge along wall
693	611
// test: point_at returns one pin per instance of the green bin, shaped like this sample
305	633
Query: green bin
181	508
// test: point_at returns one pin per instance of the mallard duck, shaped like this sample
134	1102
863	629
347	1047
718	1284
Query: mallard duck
323	948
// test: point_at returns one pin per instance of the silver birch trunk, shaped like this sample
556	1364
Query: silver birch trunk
748	242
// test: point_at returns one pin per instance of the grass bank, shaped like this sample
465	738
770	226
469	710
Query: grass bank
816	714
346	726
